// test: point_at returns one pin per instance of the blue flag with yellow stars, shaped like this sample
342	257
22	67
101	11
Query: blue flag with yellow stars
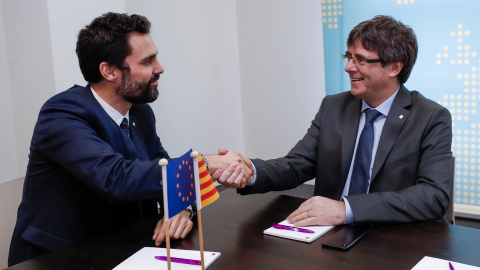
180	184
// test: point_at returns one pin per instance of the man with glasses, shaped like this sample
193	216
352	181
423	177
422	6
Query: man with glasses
379	153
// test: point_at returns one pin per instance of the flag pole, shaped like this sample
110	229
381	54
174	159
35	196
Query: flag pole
200	235
163	162
198	196
167	229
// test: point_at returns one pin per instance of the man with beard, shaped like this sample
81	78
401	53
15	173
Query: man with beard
93	163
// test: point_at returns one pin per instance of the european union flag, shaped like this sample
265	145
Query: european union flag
180	184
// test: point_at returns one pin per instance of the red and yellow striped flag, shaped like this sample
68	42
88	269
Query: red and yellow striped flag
208	191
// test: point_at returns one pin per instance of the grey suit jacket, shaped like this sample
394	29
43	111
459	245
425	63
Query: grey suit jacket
412	170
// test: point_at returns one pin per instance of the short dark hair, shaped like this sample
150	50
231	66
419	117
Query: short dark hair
391	39
105	39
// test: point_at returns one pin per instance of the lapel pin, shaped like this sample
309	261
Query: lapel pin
133	123
401	117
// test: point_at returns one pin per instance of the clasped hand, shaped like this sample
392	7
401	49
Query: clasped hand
230	169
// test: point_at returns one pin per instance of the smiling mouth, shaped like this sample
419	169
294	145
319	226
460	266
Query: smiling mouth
356	79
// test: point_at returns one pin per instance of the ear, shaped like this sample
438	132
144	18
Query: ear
396	67
109	72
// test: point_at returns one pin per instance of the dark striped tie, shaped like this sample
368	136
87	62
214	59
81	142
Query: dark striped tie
124	126
363	157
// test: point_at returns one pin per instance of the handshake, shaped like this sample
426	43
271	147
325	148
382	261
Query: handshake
230	169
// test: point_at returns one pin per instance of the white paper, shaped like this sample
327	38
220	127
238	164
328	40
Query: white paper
428	263
145	259
299	236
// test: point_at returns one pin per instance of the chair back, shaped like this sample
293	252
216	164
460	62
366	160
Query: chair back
450	210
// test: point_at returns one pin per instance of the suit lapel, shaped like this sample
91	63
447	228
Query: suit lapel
133	147
112	134
397	116
349	136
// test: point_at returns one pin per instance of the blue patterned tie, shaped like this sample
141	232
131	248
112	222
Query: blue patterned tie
124	126
363	157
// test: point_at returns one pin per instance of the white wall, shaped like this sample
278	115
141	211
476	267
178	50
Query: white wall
30	73
246	74
66	18
8	153
282	74
200	97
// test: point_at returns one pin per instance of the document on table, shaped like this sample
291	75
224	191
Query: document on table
428	263
145	259
299	236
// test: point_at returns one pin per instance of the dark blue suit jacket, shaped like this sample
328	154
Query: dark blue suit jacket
85	176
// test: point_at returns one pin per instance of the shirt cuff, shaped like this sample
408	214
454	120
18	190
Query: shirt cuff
349	218
192	211
254	177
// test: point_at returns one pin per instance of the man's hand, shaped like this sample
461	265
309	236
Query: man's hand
247	164
233	177
318	211
230	169
180	226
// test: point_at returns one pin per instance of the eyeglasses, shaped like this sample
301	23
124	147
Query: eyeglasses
359	60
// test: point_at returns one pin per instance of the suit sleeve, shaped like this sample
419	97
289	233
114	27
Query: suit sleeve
428	198
68	134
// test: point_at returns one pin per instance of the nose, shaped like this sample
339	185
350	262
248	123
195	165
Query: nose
350	67
158	68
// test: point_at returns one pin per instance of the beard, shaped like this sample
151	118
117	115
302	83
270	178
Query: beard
138	92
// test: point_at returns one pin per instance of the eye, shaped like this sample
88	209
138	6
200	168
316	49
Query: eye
346	58
148	61
361	60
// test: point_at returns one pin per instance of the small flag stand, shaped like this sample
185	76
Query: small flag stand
182	185
163	162
194	155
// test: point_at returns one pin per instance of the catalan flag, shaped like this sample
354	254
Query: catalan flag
208	191
185	180
179	185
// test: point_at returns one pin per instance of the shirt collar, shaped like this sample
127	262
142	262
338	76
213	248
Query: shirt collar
383	108
114	114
